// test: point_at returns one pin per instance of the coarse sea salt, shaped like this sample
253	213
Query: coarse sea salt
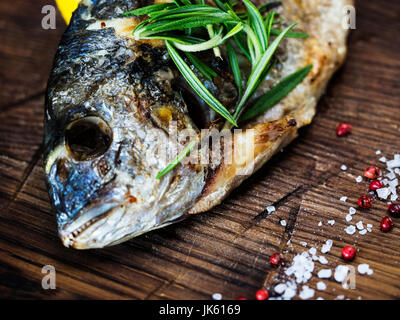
341	272
364	269
349	217
283	223
343	199
321	286
343	167
326	247
217	296
378	152
280	288
320	224
363	232
352	210
271	209
360	225
350	229
301	268
395	163
324	273
306	293
322	260
383	193
358	179
382	159
313	251
331	222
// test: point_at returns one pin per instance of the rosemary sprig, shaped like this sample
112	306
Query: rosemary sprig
177	160
196	84
192	26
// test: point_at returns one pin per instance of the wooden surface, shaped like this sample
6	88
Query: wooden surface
226	250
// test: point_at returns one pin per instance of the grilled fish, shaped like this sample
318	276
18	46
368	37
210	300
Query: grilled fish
110	99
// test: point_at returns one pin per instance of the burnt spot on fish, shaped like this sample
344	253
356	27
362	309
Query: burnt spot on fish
107	9
62	169
103	167
142	74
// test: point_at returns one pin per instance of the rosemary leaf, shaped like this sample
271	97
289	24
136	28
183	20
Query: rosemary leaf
259	70
277	93
204	69
233	61
258	23
177	160
197	86
299	35
149	9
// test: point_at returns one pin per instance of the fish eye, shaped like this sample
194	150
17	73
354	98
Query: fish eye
88	138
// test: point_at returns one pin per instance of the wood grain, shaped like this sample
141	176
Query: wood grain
227	249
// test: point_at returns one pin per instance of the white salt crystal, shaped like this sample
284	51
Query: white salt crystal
362	232
378	152
352	210
327	246
393	197
320	224
304	244
301	267
217	296
369	227
321	286
349	217
341	297
341	273
306	293
290	292
312	251
270	209
358	179
280	288
383	193
391	175
283	223
322	260
364	269
320	298
343	167
360	225
382	159
324	273
331	222
344	199
350	229
395	163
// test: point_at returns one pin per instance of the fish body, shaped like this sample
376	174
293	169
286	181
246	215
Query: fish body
110	104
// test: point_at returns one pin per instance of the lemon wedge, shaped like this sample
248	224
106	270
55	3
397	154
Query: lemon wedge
67	7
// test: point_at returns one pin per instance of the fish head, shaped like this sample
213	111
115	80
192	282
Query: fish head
103	152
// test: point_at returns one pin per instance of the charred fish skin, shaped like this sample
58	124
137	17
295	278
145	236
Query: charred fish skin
108	100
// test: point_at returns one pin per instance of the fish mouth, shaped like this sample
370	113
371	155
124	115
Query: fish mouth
77	234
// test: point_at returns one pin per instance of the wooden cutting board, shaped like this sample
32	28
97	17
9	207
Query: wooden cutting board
226	250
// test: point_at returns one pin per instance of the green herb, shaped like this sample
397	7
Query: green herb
233	61
204	69
191	26
276	94
197	86
177	160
